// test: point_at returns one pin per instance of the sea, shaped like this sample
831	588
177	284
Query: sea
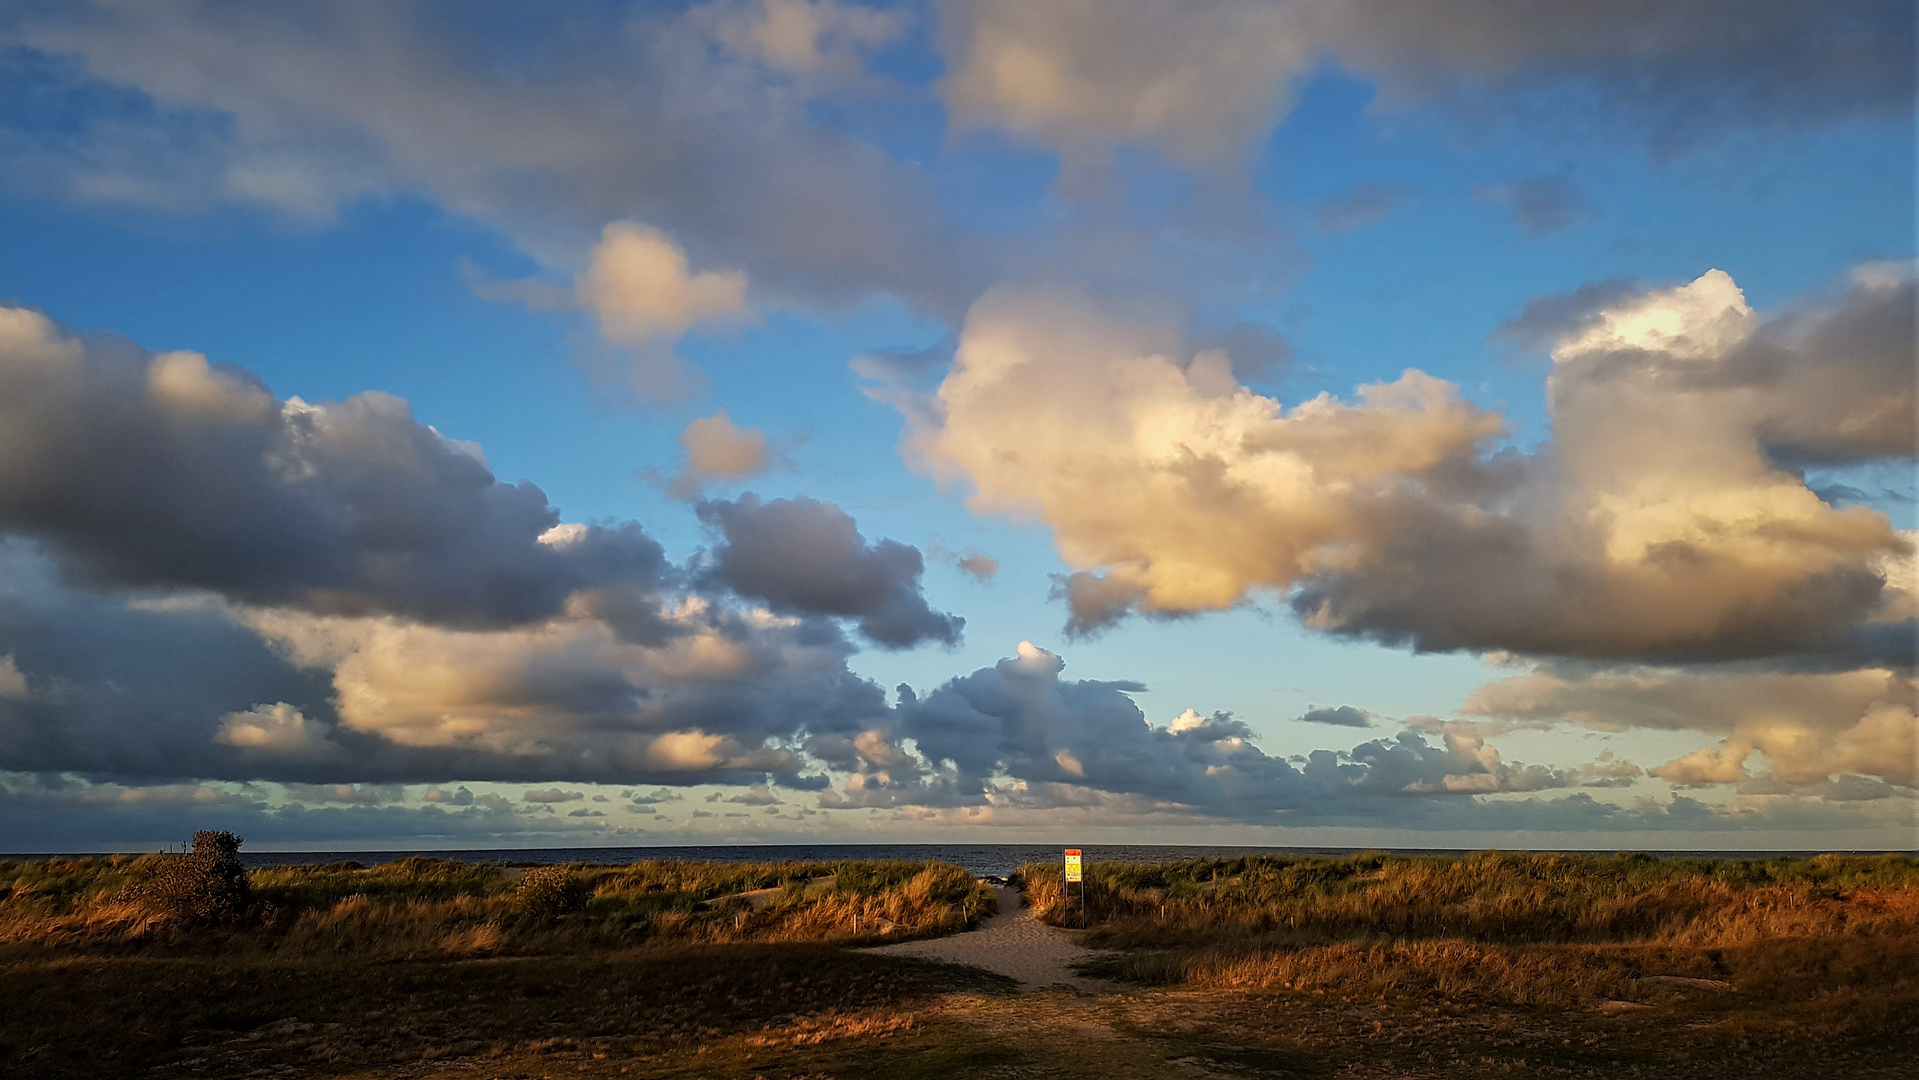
984	860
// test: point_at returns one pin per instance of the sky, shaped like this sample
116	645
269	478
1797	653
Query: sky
1481	423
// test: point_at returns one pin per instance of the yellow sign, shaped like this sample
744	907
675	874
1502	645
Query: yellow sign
1072	864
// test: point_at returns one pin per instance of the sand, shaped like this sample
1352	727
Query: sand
1015	944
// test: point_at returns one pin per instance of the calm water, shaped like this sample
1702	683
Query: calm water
984	859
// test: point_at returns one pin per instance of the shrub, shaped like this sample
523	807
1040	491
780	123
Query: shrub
548	892
202	886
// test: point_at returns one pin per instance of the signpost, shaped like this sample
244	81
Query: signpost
1075	874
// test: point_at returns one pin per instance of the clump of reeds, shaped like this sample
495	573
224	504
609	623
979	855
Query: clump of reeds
548	892
202	886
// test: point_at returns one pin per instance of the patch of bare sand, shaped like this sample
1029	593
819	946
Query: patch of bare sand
1015	944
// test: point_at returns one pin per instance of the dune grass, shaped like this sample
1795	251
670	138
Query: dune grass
337	967
421	905
1829	942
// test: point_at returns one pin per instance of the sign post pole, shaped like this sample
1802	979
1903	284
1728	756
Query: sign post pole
1074	873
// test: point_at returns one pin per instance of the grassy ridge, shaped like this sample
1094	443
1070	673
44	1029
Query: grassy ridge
420	905
1830	942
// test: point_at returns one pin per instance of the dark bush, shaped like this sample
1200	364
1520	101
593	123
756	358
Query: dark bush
548	892
202	886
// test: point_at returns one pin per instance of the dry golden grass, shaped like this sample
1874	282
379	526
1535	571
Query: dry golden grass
1827	944
420	906
1372	966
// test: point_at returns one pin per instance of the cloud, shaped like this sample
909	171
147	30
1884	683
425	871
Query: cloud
757	795
1540	204
972	562
1338	716
69	814
163	470
551	795
1018	734
277	729
202	580
639	672
571	699
717	449
13	682
1206	81
1657	524
808	38
348	794
168	689
978	565
1082	77
546	132
1546	318
643	293
1811	727
1364	204
805	556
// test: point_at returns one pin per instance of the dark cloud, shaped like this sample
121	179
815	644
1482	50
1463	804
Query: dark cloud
1840	373
1540	204
163	471
1547	317
802	555
336	593
134	691
1020	720
551	795
1094	601
1673	74
1667	76
1362	205
1338	716
181	690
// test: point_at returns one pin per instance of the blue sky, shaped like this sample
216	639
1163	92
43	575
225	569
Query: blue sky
947	274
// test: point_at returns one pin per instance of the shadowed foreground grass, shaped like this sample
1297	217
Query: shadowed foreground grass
1371	966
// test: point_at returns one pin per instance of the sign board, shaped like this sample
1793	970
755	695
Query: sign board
1072	864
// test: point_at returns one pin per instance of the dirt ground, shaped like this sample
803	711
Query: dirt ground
1012	943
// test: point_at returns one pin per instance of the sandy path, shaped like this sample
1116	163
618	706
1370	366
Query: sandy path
1012	943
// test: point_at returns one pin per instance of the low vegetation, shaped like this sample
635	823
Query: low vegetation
1372	965
1828	944
420	906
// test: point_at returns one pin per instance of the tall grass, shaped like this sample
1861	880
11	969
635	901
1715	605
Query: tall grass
426	906
1515	928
